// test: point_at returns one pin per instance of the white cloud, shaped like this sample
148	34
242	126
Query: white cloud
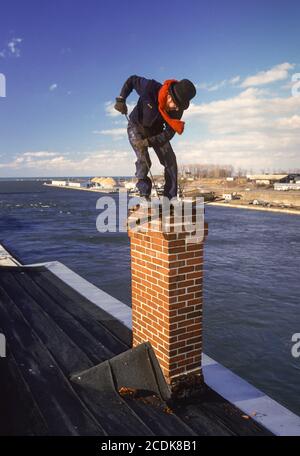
99	162
251	129
12	49
112	112
212	87
248	150
41	153
276	73
13	46
254	129
292	123
234	80
53	87
120	122
114	132
249	103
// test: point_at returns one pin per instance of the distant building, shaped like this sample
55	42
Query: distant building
59	183
78	184
267	179
287	186
230	196
103	182
130	185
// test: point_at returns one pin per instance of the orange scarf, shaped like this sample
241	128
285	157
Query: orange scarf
176	124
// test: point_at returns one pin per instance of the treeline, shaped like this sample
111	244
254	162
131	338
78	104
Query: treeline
199	170
202	171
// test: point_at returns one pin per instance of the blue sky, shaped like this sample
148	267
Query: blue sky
65	61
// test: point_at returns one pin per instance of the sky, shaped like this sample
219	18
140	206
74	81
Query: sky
63	62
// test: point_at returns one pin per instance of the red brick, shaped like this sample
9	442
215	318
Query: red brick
166	283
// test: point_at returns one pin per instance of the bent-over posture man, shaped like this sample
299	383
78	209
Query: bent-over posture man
153	123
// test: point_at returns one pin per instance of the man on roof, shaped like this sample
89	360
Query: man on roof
153	123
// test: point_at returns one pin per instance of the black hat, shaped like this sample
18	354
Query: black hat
182	92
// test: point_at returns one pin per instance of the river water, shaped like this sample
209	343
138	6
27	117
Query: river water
252	269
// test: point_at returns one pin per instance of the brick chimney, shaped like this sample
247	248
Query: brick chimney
167	296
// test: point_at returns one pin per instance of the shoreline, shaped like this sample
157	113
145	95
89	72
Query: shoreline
212	203
96	190
256	208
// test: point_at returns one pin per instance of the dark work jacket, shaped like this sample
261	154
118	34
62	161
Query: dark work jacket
146	114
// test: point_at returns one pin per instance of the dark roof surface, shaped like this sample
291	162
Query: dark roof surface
53	332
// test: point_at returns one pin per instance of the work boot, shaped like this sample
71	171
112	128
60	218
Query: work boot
137	206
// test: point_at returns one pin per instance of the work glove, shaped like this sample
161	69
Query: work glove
121	105
142	143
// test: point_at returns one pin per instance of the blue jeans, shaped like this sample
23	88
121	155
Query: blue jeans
166	157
